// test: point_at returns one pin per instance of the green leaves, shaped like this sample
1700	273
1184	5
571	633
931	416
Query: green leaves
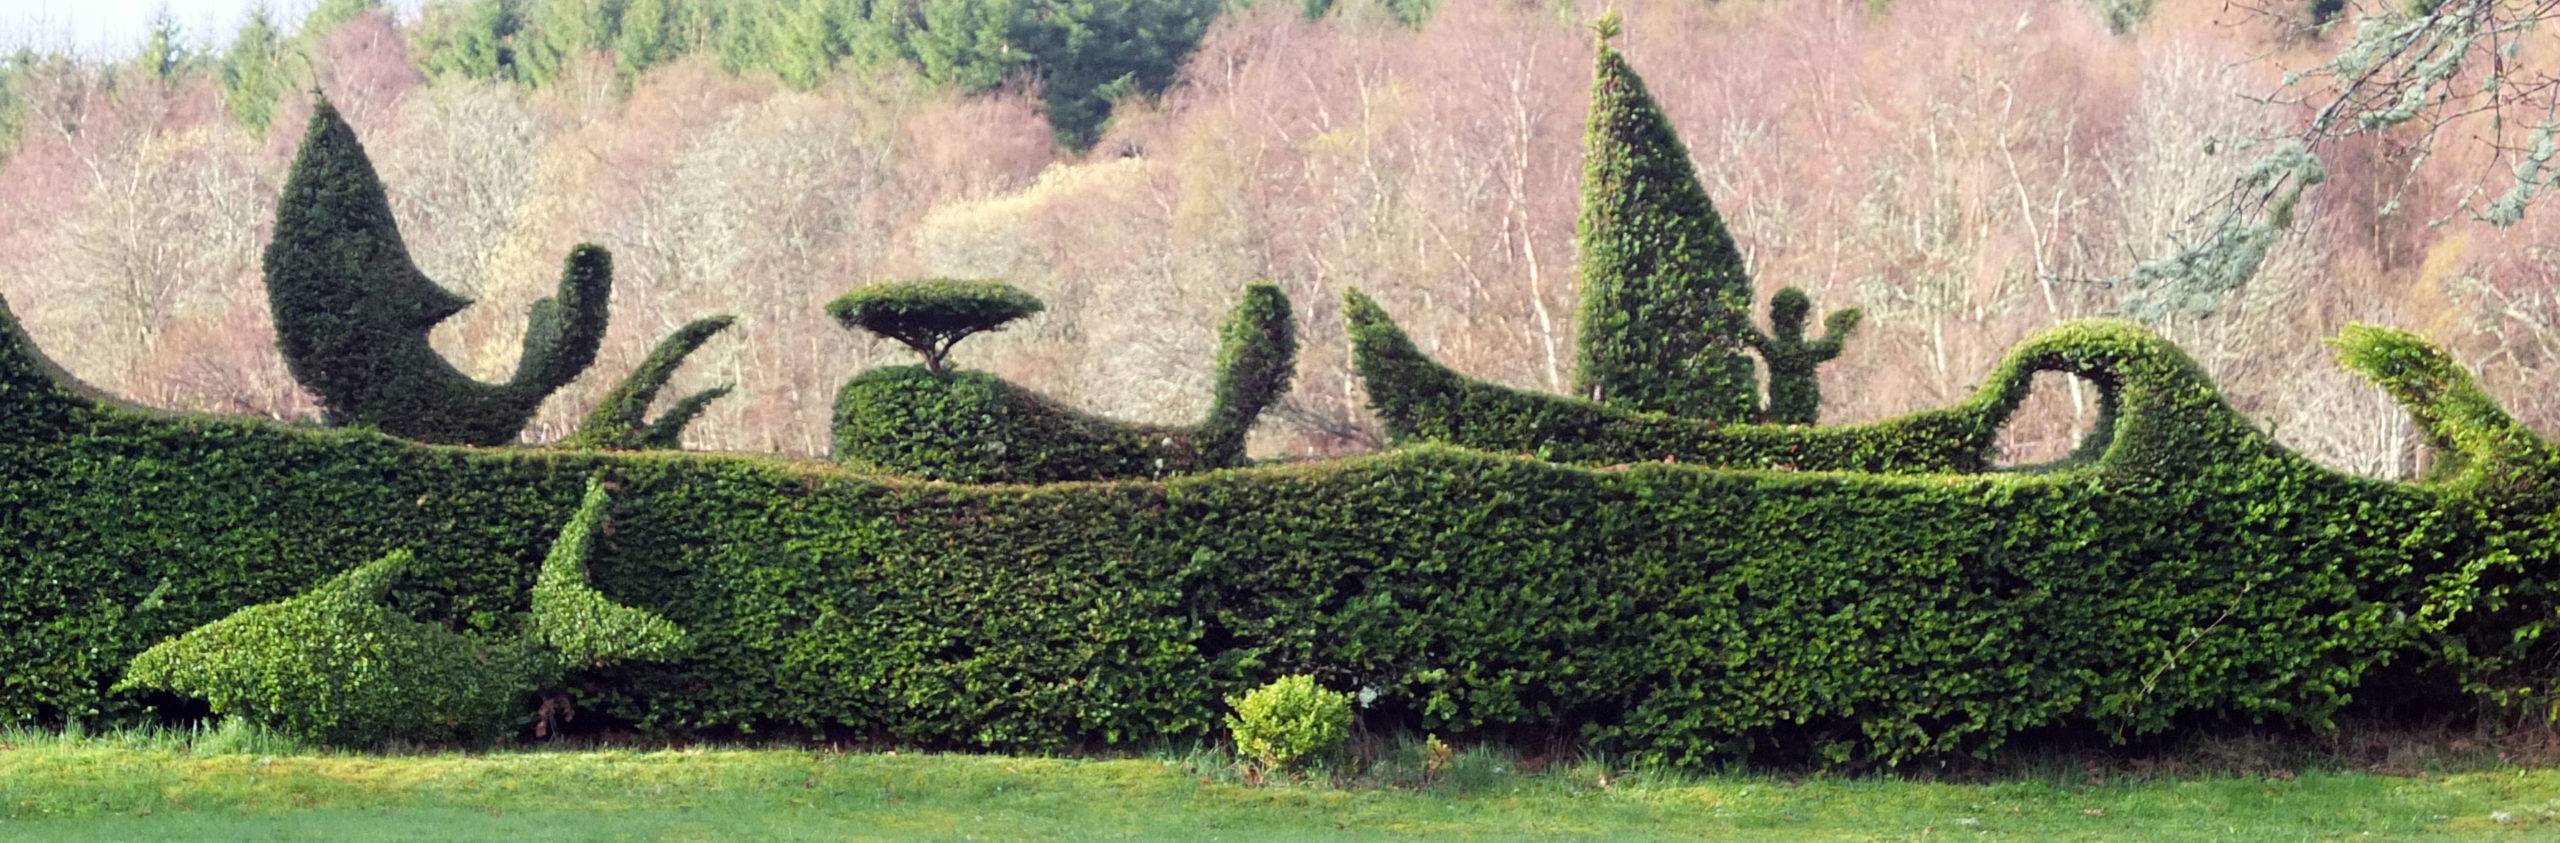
932	314
352	311
973	427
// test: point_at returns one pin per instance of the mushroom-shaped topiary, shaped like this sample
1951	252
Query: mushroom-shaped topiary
932	314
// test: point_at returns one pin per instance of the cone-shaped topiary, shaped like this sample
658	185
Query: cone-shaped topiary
1665	311
931	315
621	422
352	311
1795	394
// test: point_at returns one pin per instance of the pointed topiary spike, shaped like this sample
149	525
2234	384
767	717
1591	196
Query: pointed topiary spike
620	421
1665	298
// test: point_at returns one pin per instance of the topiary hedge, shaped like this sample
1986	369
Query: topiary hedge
973	427
1420	400
338	665
1666	298
352	311
2190	568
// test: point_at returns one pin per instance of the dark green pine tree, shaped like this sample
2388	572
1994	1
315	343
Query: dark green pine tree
1795	394
472	39
352	312
1665	315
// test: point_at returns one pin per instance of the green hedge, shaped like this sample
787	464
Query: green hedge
2190	569
1420	400
973	427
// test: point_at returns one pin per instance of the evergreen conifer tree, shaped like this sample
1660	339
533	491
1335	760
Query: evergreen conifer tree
1665	314
253	71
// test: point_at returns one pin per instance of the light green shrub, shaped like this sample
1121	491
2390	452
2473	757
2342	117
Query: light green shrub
1289	721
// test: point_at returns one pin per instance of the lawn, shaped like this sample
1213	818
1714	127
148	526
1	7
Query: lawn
129	790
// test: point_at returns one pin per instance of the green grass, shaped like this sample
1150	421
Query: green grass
230	783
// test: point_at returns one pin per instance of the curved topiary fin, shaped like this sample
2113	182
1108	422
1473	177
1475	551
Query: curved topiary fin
584	627
563	332
667	433
1257	356
620	423
2477	442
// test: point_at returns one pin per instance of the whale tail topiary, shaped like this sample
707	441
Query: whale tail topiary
1257	356
621	422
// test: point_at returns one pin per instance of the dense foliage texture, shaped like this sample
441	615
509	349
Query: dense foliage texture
1291	720
352	311
1666	299
1420	400
622	422
2190	568
1086	54
1795	391
933	314
339	665
974	427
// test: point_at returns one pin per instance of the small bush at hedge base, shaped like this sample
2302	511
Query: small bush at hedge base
1289	721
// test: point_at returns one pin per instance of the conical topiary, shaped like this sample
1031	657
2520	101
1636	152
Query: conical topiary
1665	315
352	311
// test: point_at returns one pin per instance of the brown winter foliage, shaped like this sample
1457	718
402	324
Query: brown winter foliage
1968	171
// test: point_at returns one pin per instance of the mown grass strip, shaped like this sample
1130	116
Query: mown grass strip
77	791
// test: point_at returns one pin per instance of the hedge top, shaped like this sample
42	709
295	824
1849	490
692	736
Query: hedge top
932	314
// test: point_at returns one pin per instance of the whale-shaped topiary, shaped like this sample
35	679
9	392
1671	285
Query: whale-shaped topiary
974	427
340	666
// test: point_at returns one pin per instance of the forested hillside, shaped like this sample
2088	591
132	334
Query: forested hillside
1967	171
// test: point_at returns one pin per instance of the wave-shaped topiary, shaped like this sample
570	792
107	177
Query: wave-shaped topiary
974	427
1420	400
2189	568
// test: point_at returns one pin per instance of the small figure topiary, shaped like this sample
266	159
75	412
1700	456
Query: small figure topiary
1289	721
1795	394
931	315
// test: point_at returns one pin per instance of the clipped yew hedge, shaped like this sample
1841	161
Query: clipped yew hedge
2190	569
1420	400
